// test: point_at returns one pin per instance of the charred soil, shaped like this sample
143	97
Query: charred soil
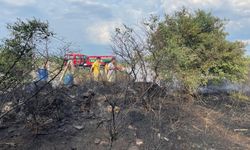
96	117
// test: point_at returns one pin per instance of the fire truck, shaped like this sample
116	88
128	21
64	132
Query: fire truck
77	59
86	61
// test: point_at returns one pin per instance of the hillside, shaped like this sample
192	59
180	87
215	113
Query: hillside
81	118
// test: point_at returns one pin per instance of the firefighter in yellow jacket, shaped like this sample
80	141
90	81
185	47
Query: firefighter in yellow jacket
95	68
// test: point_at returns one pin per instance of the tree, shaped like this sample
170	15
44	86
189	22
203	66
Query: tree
191	48
18	51
196	50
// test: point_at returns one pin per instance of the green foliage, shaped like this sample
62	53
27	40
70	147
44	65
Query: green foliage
195	50
18	51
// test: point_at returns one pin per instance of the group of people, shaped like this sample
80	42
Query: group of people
67	77
109	70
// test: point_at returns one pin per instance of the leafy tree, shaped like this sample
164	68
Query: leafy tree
17	52
196	50
190	47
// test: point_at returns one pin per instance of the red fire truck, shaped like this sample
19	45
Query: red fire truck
77	58
86	61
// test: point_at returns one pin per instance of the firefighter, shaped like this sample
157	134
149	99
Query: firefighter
95	68
67	75
106	68
43	72
111	75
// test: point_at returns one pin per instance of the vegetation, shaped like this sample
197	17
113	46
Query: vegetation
184	49
17	52
191	48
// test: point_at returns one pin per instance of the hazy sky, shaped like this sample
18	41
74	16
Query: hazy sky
88	24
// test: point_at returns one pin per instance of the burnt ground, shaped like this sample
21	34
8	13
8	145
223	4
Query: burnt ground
81	118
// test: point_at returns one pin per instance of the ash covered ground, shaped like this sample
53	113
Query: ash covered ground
100	116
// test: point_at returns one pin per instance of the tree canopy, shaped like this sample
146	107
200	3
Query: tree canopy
18	50
192	48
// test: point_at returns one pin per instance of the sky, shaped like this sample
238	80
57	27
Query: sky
89	24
